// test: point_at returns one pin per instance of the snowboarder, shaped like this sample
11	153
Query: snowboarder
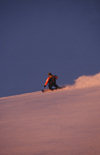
51	81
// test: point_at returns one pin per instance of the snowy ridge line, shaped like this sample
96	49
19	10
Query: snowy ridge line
20	95
80	83
85	82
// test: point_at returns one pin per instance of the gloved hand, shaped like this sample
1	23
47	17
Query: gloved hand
44	86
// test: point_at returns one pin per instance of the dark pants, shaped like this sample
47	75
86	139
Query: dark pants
52	83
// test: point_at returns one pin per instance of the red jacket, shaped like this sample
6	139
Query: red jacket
50	77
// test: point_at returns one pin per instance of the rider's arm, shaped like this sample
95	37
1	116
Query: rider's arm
47	80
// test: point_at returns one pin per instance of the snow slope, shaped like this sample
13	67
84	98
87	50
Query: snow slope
63	122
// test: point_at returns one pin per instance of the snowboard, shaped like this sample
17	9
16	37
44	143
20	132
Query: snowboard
49	90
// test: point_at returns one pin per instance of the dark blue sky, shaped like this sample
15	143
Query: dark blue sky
37	37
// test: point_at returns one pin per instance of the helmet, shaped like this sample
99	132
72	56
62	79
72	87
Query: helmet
49	74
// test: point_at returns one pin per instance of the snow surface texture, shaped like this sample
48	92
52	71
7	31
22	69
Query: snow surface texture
63	122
